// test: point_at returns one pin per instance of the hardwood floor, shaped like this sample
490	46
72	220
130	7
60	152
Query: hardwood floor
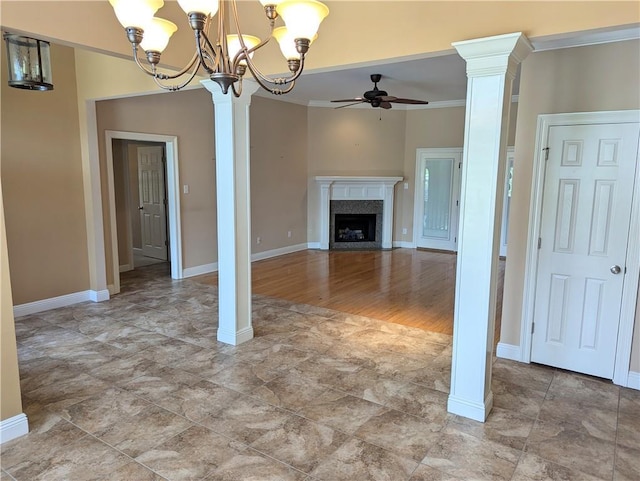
405	286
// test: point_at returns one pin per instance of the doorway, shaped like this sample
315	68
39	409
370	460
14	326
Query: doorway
437	196
583	260
165	205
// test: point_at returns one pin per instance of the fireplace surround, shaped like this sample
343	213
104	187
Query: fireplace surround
377	191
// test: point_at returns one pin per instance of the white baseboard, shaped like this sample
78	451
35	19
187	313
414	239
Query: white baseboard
633	380
405	244
509	351
126	268
60	301
278	252
313	245
199	270
13	428
137	250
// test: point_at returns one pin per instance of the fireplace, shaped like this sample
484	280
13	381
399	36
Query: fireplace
355	228
355	224
355	196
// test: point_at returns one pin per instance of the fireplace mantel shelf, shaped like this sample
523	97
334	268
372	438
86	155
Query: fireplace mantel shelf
343	187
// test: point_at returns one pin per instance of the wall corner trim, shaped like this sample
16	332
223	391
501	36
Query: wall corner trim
633	380
313	245
13	427
509	351
99	296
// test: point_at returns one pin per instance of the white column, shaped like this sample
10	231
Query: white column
231	116
387	215
325	203
491	67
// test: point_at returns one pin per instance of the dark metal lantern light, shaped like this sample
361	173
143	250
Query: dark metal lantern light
29	63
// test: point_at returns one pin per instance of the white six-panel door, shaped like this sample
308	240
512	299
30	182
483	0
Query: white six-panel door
153	219
586	210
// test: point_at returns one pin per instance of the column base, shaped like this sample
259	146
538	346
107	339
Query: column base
237	337
470	409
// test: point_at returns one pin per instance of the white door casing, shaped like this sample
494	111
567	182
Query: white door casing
588	221
437	195
447	161
173	198
506	203
153	220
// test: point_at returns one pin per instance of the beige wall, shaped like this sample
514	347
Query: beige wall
278	166
376	142
582	79
189	116
278	174
352	141
10	401
43	186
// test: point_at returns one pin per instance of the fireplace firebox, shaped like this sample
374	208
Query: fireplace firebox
355	228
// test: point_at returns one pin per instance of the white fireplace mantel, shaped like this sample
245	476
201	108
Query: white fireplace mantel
336	187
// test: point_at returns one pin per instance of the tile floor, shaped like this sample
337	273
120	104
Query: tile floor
137	388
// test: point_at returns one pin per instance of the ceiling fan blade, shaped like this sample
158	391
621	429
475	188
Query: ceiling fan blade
386	98
348	105
357	99
385	105
409	101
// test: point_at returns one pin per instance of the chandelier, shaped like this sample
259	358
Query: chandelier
226	57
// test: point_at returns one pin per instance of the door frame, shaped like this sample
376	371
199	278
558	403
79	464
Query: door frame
418	189
173	200
621	373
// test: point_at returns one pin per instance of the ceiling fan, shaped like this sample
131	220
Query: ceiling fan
379	98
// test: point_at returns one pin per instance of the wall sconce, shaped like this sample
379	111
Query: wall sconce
29	63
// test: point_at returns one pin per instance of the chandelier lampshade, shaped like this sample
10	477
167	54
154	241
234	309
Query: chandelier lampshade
157	34
227	55
302	18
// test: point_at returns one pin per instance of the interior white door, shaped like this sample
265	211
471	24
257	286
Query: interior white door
437	198
153	219
586	210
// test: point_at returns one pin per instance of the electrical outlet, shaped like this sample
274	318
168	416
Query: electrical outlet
406	186
185	189
258	240
289	233
404	231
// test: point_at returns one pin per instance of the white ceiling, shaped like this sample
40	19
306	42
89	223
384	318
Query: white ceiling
435	79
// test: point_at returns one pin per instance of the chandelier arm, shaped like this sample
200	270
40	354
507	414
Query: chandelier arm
173	88
139	64
262	79
203	53
237	92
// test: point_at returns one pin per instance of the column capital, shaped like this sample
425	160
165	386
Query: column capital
500	54
249	87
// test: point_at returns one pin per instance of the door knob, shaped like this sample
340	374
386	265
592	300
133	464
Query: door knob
141	207
615	269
